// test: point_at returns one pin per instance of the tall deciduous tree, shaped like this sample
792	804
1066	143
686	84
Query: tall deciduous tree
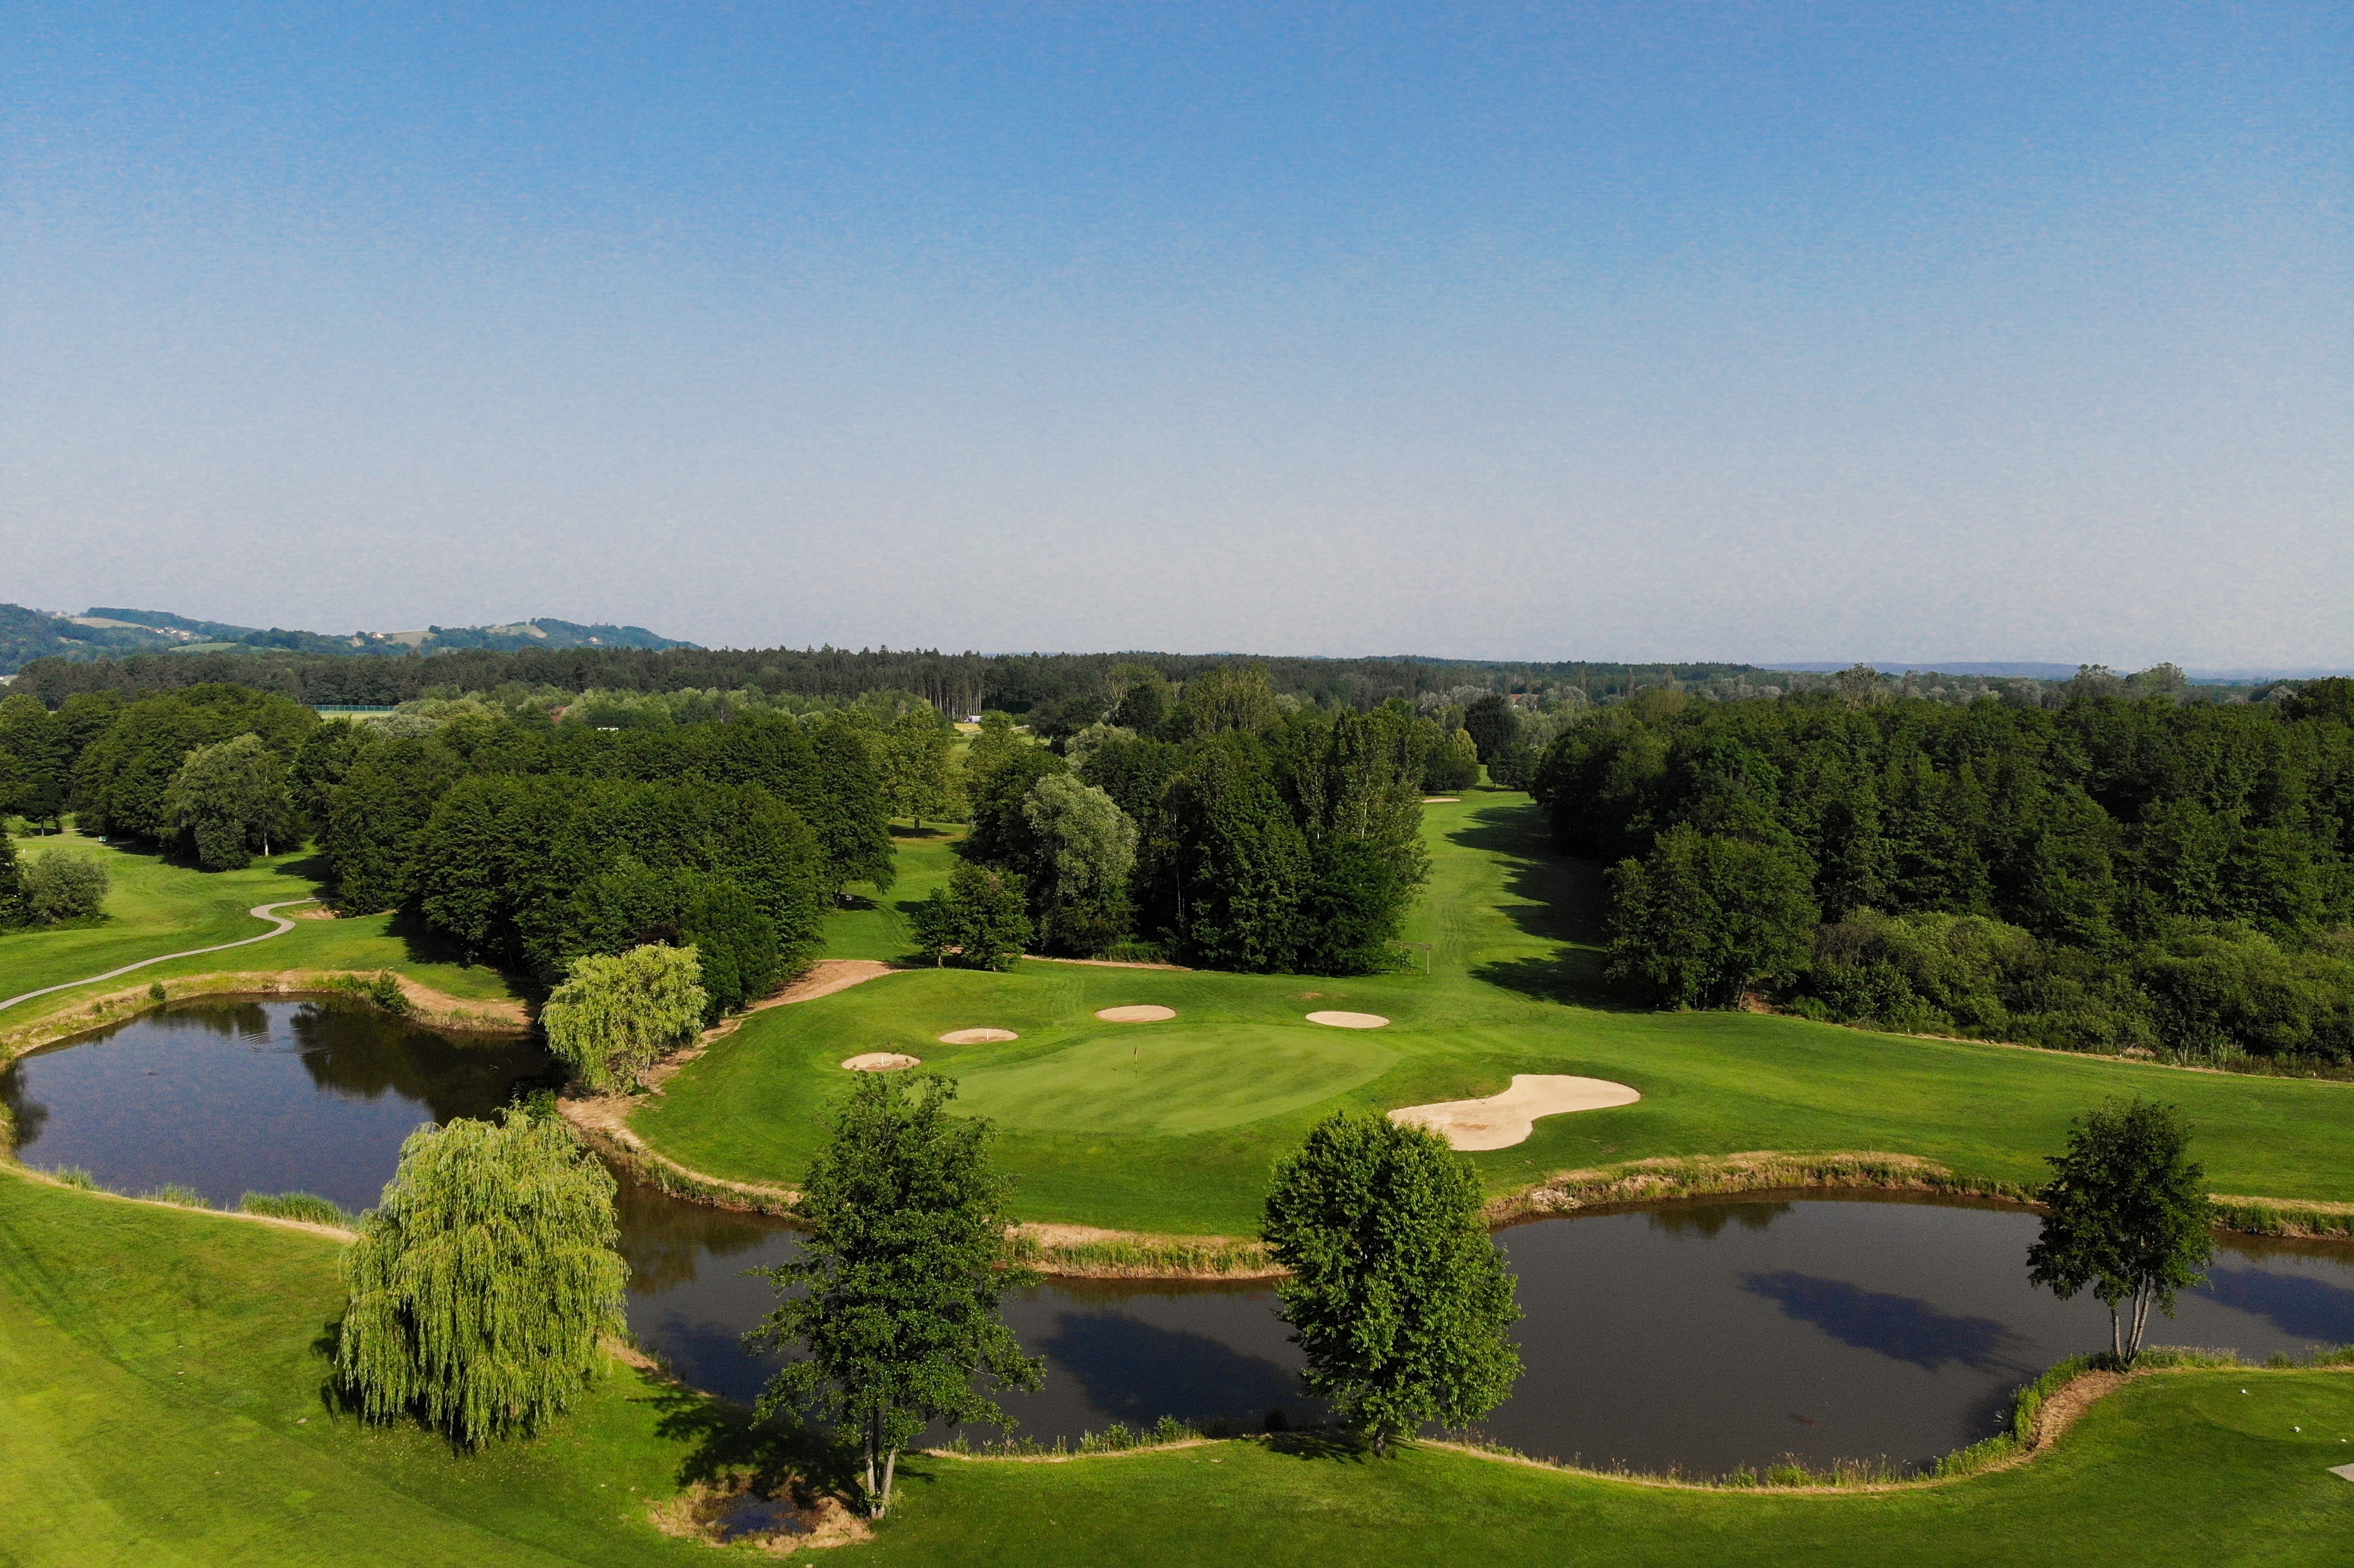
1087	848
1396	1295
896	1292
618	1014
981	915
2125	1216
1704	916
481	1283
912	750
228	802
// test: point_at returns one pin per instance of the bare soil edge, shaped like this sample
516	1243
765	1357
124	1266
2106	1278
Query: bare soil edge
430	1008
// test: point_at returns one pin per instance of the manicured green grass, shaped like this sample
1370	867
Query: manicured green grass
159	1375
1513	987
156	906
876	928
160	1403
1155	1079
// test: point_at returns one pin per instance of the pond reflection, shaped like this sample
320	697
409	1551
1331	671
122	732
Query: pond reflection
1697	1335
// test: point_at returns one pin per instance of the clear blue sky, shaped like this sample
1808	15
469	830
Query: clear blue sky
1763	331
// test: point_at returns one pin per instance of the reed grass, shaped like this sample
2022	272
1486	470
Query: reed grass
306	1207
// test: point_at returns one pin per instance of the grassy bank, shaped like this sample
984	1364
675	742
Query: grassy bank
160	1404
156	906
1169	1127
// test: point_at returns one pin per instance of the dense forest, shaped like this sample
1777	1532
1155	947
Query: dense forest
1056	693
2140	874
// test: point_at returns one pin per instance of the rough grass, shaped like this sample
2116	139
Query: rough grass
157	907
1513	989
160	1404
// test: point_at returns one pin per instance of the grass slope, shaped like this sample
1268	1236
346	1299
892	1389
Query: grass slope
1134	1126
160	1406
156	906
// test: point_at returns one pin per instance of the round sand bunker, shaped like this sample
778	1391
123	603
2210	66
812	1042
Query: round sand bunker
882	1061
978	1036
1503	1120
1136	1014
1350	1020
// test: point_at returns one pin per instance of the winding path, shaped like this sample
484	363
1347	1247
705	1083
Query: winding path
260	911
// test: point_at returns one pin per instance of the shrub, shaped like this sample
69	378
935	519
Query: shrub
307	1206
59	886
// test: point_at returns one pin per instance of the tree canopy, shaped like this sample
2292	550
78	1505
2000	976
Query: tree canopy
1396	1295
2125	1216
893	1296
228	802
482	1282
615	1016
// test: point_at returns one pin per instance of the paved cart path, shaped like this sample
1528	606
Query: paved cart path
281	924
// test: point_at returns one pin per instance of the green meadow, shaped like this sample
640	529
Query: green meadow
1172	1125
156	906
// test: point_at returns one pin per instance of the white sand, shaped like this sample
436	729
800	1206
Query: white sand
976	1036
1136	1014
1501	1120
882	1061
1350	1020
1441	799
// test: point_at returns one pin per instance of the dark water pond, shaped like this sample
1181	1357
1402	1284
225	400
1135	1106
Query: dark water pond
1700	1336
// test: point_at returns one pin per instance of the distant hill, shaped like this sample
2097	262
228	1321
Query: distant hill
104	631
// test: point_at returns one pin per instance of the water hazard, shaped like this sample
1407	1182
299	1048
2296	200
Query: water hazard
1696	1336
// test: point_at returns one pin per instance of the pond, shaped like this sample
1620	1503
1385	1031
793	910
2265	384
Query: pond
1695	1336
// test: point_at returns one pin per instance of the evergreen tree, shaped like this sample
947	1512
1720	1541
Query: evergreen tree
2126	1215
1396	1295
1238	865
895	1295
1493	726
481	1283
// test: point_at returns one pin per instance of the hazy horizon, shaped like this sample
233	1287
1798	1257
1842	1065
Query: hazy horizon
1756	335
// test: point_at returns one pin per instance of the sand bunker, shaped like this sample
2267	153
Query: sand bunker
1136	1014
1442	800
1501	1120
1350	1020
882	1061
976	1036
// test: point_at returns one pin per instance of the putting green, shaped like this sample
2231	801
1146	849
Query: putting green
1172	1080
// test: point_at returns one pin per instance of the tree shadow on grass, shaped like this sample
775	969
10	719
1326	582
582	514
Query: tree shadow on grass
1333	1444
726	1441
1560	901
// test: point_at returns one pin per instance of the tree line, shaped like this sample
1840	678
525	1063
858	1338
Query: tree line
2115	873
1220	822
1057	694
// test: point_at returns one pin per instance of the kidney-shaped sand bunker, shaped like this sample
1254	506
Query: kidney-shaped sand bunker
1503	1120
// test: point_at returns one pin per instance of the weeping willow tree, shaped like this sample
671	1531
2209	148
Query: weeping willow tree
481	1283
614	1017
